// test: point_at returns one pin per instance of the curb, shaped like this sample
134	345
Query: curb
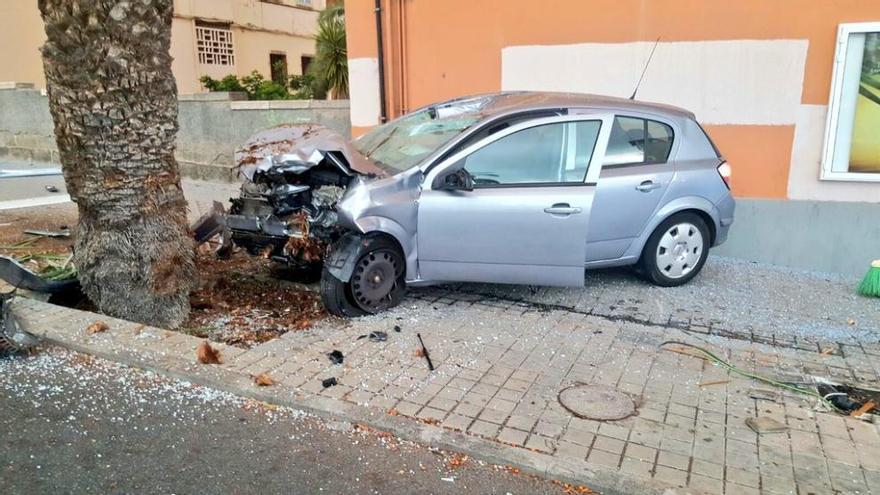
177	361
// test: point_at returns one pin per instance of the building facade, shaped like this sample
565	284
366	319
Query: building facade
788	90
209	37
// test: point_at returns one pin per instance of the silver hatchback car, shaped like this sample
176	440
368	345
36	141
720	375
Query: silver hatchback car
518	188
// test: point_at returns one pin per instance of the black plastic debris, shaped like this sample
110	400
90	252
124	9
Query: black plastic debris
837	397
336	356
52	189
329	382
397	328
209	224
425	352
18	276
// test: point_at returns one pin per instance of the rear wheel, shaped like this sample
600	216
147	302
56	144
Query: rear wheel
676	251
377	282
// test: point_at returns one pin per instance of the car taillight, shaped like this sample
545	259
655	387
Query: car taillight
725	172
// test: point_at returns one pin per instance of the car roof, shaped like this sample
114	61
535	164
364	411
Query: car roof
494	104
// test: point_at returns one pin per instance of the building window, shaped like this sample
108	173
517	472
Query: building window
278	67
304	62
214	44
852	142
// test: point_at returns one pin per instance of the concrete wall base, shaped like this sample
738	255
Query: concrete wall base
212	125
823	236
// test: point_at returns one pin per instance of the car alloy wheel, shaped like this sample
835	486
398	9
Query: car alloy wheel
375	279
679	250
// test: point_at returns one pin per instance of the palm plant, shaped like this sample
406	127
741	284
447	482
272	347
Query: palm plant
331	56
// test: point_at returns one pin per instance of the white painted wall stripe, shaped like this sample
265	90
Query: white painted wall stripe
363	80
748	82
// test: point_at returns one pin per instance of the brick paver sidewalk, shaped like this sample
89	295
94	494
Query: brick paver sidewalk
498	373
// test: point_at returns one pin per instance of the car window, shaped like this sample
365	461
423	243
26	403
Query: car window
549	153
659	142
628	144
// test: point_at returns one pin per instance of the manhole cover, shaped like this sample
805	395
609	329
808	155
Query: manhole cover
598	402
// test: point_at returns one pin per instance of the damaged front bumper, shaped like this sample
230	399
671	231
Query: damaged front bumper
294	176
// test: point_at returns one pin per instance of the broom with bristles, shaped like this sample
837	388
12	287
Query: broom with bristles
871	284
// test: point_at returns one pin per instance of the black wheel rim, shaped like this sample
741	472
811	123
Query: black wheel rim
375	279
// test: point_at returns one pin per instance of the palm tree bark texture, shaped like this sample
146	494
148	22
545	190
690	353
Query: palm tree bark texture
113	98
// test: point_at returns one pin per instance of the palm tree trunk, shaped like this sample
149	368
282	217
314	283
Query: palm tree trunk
114	102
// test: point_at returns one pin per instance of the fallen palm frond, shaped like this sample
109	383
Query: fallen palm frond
50	266
25	244
702	353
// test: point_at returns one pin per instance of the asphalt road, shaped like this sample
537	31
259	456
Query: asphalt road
73	424
30	191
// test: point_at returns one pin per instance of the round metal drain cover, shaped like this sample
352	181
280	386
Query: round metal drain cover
597	402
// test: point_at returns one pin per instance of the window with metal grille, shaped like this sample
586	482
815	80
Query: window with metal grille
214	44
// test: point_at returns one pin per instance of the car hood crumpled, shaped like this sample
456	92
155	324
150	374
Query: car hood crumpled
299	146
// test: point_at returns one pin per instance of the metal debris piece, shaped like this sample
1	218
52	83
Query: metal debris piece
425	352
329	382
12	338
64	232
336	356
764	394
764	424
374	336
596	402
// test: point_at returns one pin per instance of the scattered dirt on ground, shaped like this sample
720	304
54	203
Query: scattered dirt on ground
13	223
238	302
242	300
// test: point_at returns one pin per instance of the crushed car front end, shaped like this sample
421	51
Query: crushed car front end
293	178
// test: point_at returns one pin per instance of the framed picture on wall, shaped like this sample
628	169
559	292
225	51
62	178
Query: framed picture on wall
852	132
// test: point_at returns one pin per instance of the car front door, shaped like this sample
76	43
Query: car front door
525	220
636	172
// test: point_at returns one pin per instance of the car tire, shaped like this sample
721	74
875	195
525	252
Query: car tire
377	282
676	251
334	295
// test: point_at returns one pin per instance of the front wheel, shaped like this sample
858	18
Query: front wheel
377	282
676	251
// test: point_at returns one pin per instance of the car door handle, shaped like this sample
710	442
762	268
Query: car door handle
562	209
647	186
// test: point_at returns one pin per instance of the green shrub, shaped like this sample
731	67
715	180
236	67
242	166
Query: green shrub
257	87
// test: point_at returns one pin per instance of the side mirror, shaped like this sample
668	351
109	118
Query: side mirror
460	180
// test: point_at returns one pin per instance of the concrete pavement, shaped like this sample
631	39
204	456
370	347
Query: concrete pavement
493	394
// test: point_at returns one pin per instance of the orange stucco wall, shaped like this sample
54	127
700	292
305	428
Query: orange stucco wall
453	47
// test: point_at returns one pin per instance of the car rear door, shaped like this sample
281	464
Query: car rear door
635	175
526	219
